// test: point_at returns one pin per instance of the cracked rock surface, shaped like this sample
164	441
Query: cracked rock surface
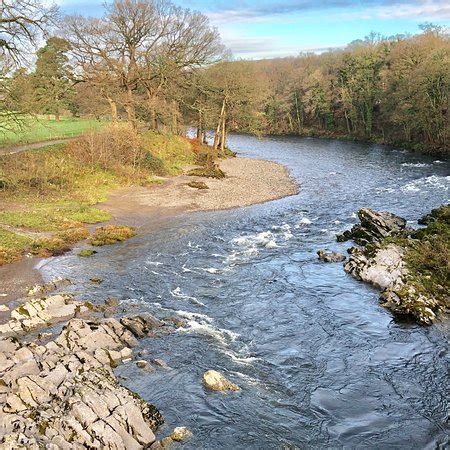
40	312
64	394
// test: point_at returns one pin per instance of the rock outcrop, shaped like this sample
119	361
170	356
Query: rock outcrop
142	324
43	289
217	382
64	394
374	226
330	257
383	267
382	263
41	312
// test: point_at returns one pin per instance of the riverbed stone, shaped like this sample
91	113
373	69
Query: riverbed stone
215	381
180	434
64	394
330	257
381	267
43	289
142	324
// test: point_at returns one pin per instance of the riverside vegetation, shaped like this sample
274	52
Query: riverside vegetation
410	266
48	196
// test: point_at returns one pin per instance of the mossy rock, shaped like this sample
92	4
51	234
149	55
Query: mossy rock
86	252
198	185
212	171
96	280
110	234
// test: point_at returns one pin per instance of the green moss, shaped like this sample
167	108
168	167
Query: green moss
211	171
427	259
86	253
197	185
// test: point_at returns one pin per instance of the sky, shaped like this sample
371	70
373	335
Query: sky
265	29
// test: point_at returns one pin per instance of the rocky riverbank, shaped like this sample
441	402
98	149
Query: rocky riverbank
409	266
59	390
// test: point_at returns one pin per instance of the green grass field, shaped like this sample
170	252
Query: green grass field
40	129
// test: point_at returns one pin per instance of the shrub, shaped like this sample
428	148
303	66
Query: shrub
154	164
9	255
52	246
111	148
73	235
110	234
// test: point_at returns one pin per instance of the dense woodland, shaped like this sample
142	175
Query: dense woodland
164	67
389	90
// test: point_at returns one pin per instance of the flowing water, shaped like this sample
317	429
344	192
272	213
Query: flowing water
320	363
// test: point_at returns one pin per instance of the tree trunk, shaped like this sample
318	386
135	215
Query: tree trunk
297	110
200	127
129	107
175	118
218	135
224	134
347	123
113	106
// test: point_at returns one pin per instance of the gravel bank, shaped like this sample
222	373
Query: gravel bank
248	181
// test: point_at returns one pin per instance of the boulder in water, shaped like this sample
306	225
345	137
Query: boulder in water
141	324
330	257
374	226
180	434
217	382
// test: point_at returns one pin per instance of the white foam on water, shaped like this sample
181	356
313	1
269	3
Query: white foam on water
415	165
304	221
211	270
194	315
155	273
205	327
184	269
178	294
248	379
432	181
385	189
247	361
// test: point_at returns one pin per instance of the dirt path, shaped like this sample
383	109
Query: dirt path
32	146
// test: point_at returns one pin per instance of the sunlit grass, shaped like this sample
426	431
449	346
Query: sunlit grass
39	129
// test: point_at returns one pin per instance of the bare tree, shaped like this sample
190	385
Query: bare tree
22	23
144	45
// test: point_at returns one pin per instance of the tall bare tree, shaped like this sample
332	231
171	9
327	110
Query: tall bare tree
22	23
143	45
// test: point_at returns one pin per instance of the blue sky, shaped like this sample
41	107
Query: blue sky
264	29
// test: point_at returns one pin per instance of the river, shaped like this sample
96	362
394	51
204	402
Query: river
321	364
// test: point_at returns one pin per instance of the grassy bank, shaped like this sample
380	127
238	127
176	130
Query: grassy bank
427	258
33	129
48	197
